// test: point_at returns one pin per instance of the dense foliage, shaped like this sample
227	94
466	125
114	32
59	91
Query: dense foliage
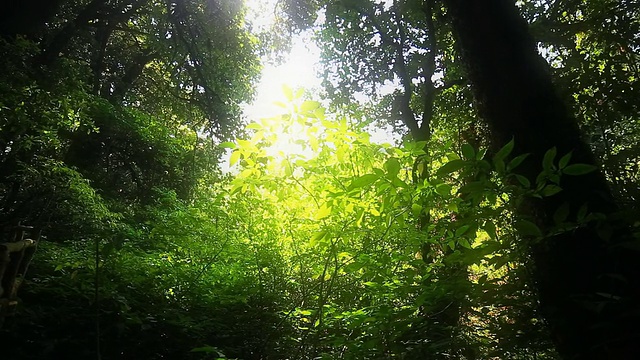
315	242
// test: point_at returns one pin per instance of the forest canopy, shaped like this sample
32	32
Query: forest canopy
499	220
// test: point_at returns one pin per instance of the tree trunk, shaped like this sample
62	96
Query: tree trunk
588	287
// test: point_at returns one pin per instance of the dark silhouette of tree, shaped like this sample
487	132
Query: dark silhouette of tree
587	281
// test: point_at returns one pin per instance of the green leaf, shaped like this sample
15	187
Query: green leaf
468	152
582	212
461	230
254	126
233	159
524	181
473	187
392	165
443	189
490	228
504	152
309	105
288	93
527	228
561	214
206	349
564	161
550	190
578	169
499	165
516	161
317	237
362	181
549	156
416	209
227	145
323	212
480	155
451	166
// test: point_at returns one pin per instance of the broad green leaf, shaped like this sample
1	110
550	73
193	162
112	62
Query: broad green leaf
527	228
504	152
578	169
516	161
443	189
362	181
374	211
452	207
451	166
244	143
233	159
490	228
473	187
207	349
561	214
254	126
550	190
564	161
309	105
317	237
523	181
582	212
360	216
323	212
461	230
227	145
288	93
416	209
549	156
468	152
288	168
499	165
480	155
392	165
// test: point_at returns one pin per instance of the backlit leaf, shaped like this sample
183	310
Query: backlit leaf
233	159
227	145
363	181
309	105
323	212
288	93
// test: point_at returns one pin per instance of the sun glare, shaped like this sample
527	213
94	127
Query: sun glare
298	71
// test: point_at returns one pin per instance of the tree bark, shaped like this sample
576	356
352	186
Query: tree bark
588	287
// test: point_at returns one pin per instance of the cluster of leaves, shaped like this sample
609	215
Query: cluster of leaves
314	249
103	108
367	279
319	244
